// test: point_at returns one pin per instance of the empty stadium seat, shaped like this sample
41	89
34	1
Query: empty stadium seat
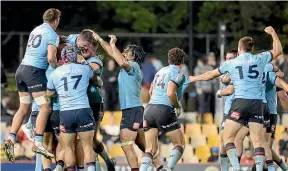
165	150
285	119
218	119
117	117
213	140
203	153
208	118
116	151
209	129
188	153
198	140
193	129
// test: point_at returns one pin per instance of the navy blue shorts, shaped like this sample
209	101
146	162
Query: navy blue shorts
132	118
30	79
78	120
52	122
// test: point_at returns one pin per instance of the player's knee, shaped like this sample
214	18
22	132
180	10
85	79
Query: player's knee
27	100
42	100
128	145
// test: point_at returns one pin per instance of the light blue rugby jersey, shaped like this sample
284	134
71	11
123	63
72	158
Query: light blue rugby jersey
160	84
271	94
247	74
36	50
227	99
130	86
268	68
71	81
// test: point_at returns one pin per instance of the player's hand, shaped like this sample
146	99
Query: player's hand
192	79
94	34
101	56
218	94
269	30
80	59
178	111
113	39
280	74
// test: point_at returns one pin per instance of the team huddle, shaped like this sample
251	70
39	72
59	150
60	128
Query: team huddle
59	80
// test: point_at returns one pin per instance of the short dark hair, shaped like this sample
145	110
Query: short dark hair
137	52
231	51
176	56
88	36
51	15
246	43
62	39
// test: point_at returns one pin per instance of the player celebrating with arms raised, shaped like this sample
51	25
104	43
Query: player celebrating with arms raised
31	79
246	74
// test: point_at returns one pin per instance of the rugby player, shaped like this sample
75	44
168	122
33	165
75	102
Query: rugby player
71	81
129	81
246	74
161	113
228	98
88	46
31	79
283	96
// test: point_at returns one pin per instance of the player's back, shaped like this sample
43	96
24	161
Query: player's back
71	82
247	74
160	84
36	50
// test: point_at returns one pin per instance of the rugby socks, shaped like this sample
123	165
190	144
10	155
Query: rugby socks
59	164
224	162
239	159
97	164
232	154
12	137
91	166
270	165
146	161
278	160
47	169
38	166
39	139
71	168
80	168
101	151
28	125
159	168
134	169
259	154
175	156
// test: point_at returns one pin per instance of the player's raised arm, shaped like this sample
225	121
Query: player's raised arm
117	55
277	47
283	96
281	84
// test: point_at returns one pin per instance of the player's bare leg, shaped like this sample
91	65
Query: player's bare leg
24	109
224	160
177	139
79	155
86	139
127	139
48	144
240	136
256	134
60	152
268	152
152	149
69	140
43	102
99	149
230	131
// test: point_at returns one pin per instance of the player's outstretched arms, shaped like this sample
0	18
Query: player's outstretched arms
281	84
52	56
117	55
206	76
277	47
226	91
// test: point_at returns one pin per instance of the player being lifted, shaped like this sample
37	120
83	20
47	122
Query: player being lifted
31	79
88	46
246	74
162	111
